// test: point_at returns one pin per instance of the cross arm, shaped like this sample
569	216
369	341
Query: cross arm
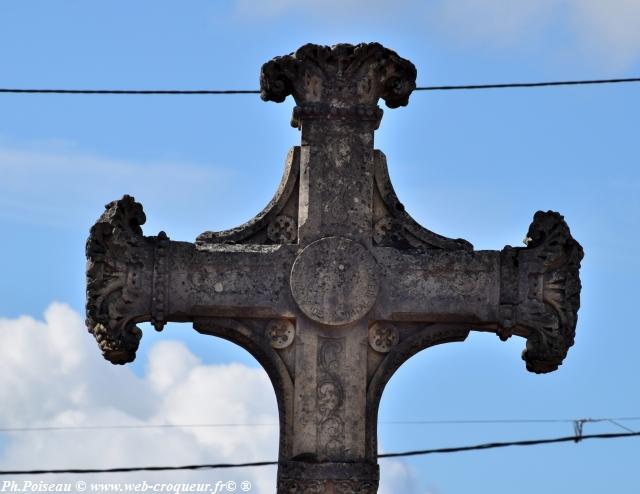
133	278
533	292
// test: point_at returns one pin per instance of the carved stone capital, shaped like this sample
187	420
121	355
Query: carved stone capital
342	81
117	264
542	282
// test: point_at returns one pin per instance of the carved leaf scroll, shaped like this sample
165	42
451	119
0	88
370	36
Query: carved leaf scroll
116	256
549	291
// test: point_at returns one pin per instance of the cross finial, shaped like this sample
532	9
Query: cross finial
341	81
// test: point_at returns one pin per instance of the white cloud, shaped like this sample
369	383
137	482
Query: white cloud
498	20
395	477
610	28
51	373
602	31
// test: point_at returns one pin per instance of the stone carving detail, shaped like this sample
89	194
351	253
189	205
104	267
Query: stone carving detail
549	291
334	281
341	81
281	333
328	477
356	487
300	486
283	230
330	399
383	336
160	299
313	486
116	253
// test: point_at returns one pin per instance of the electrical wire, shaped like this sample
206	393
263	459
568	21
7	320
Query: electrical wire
255	91
613	420
493	445
530	442
530	84
618	424
132	426
131	91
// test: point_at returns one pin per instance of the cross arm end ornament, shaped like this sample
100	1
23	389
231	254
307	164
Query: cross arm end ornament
532	291
132	278
117	255
540	291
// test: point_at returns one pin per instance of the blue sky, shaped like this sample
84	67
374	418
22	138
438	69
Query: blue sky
465	164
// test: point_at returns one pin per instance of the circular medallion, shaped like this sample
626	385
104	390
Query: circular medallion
281	333
334	281
383	336
282	230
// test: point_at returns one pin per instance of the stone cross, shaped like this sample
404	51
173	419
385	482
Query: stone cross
333	285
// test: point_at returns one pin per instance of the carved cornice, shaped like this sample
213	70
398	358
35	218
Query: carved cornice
341	81
318	111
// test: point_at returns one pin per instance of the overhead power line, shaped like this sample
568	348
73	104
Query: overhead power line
530	84
493	445
130	426
132	91
613	420
530	442
506	421
255	91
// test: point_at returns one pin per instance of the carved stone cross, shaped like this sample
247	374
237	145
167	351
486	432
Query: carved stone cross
333	285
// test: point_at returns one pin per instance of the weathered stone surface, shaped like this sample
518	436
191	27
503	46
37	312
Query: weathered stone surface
333	285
